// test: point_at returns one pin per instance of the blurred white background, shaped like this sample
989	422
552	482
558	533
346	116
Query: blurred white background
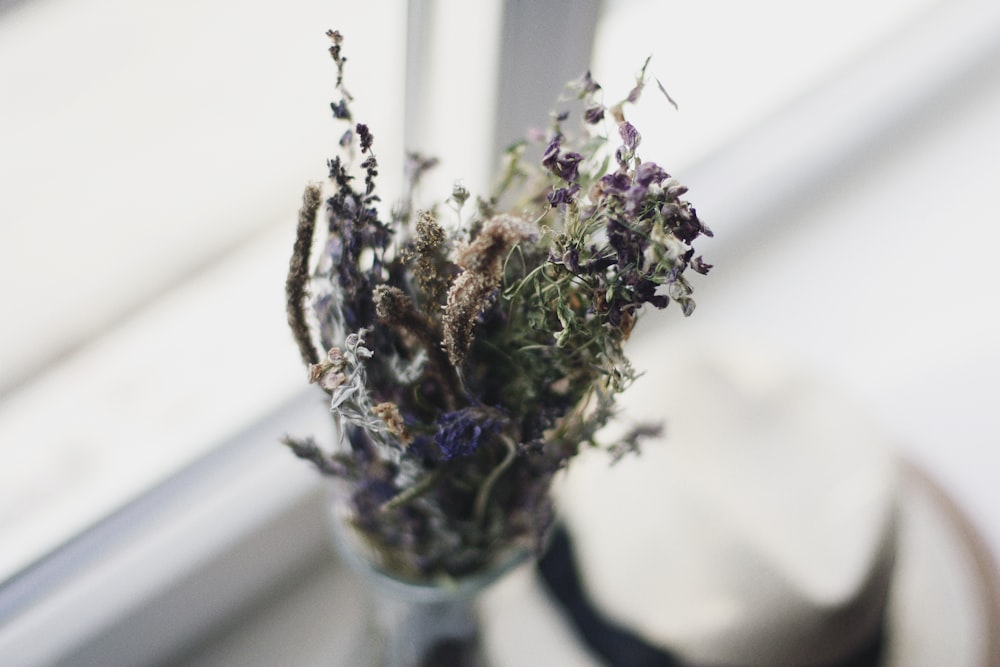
152	156
152	159
847	158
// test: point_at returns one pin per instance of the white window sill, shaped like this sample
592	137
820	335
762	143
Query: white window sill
112	420
175	564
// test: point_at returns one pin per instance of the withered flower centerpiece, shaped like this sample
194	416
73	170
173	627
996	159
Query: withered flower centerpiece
472	349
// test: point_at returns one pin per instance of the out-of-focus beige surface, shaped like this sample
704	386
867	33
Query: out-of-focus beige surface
760	529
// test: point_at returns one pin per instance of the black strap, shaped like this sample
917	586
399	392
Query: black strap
616	645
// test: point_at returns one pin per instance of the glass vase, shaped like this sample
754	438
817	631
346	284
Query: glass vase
417	623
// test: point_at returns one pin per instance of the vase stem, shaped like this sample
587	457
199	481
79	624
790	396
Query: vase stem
420	633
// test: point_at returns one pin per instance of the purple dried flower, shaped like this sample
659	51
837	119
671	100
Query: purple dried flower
365	135
621	156
569	164
630	136
551	153
648	173
461	433
617	182
564	165
686	225
700	265
340	110
634	197
593	114
563	195
627	244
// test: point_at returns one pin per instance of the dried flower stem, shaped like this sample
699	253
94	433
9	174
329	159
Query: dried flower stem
483	496
308	449
298	274
413	492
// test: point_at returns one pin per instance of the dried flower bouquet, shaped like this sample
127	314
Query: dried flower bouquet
471	350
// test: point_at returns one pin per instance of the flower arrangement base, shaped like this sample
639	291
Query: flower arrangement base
427	623
430	624
413	629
